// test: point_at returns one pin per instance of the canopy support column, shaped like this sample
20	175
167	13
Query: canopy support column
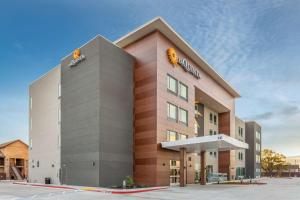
203	168
182	179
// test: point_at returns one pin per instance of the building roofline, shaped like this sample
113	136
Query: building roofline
236	117
3	145
162	26
44	75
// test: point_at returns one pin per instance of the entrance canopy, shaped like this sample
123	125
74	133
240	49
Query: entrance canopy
197	144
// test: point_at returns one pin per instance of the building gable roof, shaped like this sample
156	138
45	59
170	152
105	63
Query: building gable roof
3	145
158	24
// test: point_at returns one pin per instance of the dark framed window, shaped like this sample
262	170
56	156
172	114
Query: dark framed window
183	91
172	84
172	111
171	135
183	116
215	119
182	136
211	117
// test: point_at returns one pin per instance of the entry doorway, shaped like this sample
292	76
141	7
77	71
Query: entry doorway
174	172
209	169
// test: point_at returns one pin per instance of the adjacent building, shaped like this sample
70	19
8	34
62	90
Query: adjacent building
240	155
13	160
146	105
253	154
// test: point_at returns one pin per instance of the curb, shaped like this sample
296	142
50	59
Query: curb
91	189
124	191
46	186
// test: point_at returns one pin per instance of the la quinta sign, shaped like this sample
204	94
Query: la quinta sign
175	60
77	58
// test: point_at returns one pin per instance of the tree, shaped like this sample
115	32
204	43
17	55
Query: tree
272	161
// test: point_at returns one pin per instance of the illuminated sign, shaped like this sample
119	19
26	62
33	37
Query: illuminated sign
77	58
175	60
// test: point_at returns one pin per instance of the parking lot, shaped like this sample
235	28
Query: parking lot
276	188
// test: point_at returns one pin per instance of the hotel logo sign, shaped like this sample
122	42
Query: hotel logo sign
175	60
77	58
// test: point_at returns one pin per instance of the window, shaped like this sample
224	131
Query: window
213	153
210	132
182	136
30	123
38	164
183	116
215	119
215	132
183	91
211	117
30	143
171	136
172	112
257	147
30	103
196	128
58	141
257	135
257	158
175	163
172	84
241	132
59	90
59	115
241	156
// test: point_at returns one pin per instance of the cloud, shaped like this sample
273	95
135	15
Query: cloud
263	116
286	110
289	110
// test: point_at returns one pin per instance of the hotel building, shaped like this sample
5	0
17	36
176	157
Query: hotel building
253	153
146	105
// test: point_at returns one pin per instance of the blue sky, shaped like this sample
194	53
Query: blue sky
254	45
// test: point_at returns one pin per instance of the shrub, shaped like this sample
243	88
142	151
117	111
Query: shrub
129	181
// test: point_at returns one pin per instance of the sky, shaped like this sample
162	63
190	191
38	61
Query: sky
254	45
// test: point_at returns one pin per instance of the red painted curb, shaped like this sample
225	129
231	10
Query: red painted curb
130	191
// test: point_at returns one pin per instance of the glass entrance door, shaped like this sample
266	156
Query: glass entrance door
174	172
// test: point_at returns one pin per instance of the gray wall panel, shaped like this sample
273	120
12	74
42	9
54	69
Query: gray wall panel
80	103
116	114
97	116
